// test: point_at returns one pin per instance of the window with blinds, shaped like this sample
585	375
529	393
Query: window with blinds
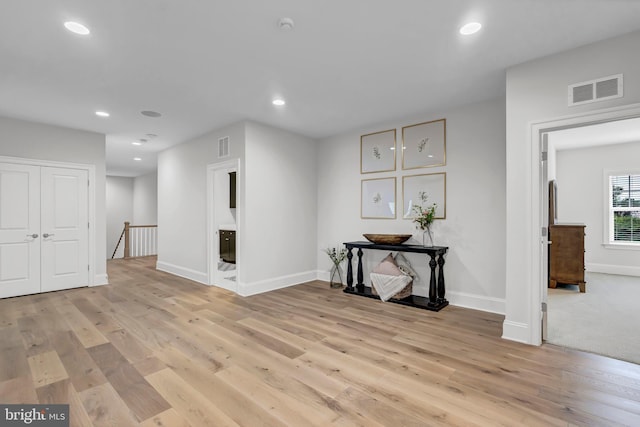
624	209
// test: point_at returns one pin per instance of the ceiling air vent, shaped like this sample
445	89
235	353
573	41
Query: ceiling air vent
223	147
596	90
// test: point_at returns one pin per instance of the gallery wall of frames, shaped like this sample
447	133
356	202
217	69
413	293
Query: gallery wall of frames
422	146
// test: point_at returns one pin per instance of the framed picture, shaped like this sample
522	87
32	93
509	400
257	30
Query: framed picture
378	198
378	152
424	191
424	145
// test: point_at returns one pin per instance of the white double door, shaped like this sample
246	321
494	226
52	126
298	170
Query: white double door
43	229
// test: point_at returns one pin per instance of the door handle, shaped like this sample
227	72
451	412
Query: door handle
45	235
34	235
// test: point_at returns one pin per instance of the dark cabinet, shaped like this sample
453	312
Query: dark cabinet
228	246
232	190
566	255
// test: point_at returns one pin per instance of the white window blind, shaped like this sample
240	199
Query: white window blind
624	209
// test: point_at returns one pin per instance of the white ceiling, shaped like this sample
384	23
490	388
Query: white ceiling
205	64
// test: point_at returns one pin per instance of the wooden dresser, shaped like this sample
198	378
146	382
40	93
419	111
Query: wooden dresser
566	255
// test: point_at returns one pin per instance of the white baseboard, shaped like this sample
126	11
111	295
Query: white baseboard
100	279
624	270
187	273
476	302
516	331
325	276
227	284
247	289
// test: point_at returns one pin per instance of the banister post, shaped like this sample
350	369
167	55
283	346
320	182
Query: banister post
127	250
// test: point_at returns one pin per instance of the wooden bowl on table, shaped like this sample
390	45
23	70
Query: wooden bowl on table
387	239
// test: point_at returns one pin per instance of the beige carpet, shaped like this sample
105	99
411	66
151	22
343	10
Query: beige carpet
604	320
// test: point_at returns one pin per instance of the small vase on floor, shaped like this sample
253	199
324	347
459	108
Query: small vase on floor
427	237
336	277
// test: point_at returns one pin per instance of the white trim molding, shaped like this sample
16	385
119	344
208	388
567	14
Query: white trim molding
514	331
213	277
623	270
187	273
533	287
476	302
100	280
247	289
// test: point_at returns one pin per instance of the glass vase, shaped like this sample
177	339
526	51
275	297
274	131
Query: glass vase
427	237
336	276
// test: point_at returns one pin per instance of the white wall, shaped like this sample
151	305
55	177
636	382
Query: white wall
119	195
145	199
279	231
19	138
182	201
537	92
474	224
582	195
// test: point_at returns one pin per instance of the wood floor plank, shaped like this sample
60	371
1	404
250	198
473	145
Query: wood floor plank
13	363
83	371
143	400
63	392
88	334
187	401
46	368
168	418
18	390
234	404
105	407
149	366
96	314
277	403
129	346
154	349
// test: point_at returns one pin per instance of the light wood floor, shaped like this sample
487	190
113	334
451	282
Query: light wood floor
152	349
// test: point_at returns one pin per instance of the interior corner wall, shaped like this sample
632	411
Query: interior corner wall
279	233
537	92
119	195
182	201
475	203
38	141
582	199
145	199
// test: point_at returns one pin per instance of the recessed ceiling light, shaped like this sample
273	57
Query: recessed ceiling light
137	159
470	28
278	102
136	143
102	114
76	28
150	113
286	24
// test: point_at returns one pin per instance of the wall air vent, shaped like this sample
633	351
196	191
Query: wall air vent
596	90
223	147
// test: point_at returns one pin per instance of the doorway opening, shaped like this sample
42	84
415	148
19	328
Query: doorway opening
223	225
579	143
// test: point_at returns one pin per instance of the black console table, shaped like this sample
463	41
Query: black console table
436	300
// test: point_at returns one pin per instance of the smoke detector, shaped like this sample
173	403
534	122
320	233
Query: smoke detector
285	24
